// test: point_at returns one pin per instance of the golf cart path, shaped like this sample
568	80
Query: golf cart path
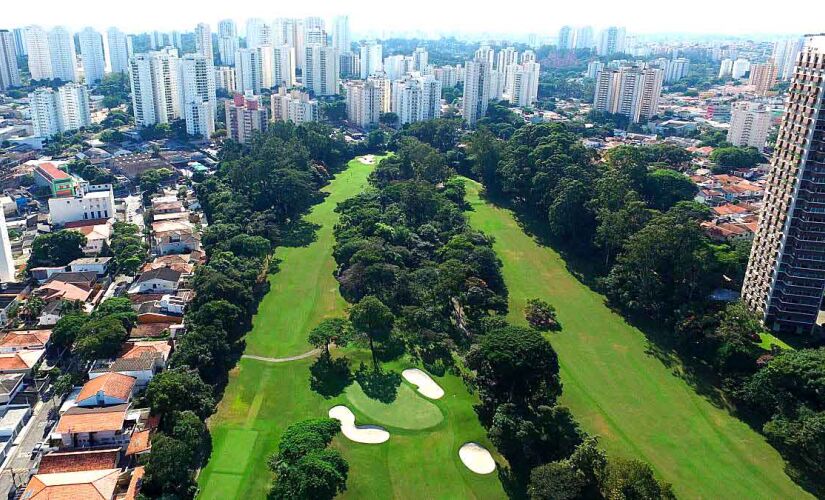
305	355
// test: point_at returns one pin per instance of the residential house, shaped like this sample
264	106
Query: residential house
10	385
86	485
97	265
77	461
24	340
162	280
20	361
51	314
107	389
98	233
140	360
174	237
81	427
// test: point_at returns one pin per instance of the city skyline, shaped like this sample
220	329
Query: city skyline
369	17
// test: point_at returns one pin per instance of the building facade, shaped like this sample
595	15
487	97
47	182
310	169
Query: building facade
155	82
244	117
749	124
477	75
227	41
321	70
120	50
61	110
198	93
763	77
9	72
294	106
62	52
372	58
91	52
367	100
416	98
248	70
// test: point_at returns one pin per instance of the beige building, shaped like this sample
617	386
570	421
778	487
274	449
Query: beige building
763	77
244	116
749	124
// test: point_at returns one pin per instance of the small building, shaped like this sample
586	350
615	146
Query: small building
87	206
86	485
20	361
162	280
81	427
110	388
77	461
97	265
60	183
24	340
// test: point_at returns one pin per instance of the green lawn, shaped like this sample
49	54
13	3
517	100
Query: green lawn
421	458
640	407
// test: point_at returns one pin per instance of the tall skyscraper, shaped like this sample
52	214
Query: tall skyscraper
523	84
416	98
366	100
584	38
91	51
349	65
740	68
321	70
203	41
155	83
245	115
40	59
611	41
9	72
420	60
785	53
7	271
198	92
785	278
566	38
225	79
283	66
45	112
20	41
341	40
631	91
266	53
477	75
725	68
227	41
62	52
61	110
394	67
119	50
372	58
258	32
749	124
248	71
763	77
294	106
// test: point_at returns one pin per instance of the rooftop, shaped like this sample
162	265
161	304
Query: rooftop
79	419
86	485
76	461
114	385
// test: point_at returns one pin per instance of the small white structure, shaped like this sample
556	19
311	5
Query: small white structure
368	434
98	265
161	280
7	271
89	206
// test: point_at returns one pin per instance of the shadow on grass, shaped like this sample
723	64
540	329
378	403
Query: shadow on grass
329	377
377	384
300	233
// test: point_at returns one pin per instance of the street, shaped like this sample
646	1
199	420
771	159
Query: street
16	468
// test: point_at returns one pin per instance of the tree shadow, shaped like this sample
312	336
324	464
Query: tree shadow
378	384
390	349
329	377
299	233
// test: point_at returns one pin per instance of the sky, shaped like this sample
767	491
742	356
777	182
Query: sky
433	17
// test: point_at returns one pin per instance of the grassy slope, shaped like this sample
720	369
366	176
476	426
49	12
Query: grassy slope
261	398
639	406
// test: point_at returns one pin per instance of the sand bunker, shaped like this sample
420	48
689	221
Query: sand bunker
370	434
477	458
425	384
367	159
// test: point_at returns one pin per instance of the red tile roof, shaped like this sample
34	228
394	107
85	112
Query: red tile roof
74	461
20	339
139	443
86	485
79	419
52	172
112	384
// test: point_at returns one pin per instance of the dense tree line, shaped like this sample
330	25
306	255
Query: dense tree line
253	203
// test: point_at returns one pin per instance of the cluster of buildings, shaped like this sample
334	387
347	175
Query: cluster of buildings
630	90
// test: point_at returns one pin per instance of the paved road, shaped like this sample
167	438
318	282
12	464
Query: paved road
18	464
305	355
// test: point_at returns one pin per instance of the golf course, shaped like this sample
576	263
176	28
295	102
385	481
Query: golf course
266	393
638	406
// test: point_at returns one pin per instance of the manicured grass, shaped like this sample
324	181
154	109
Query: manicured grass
639	406
262	398
768	340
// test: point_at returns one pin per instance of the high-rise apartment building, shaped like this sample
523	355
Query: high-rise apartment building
725	68
9	72
593	69
283	66
155	82
225	79
341	40
396	66
447	75
248	70
523	84
321	70
785	53
120	50
631	91
258	32
416	98
367	100
611	41
349	65
61	110
197	78
785	278
763	77
477	75
20	41
40	59
566	38
749	124
372	59
420	60
203	41
227	41
294	106
62	52
584	38
91	52
245	115
7	270
674	69
740	68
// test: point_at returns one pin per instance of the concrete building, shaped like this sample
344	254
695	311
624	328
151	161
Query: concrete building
227	41
593	68
420	60
763	77
120	50
341	40
523	84
725	68
674	69
367	100
198	93
91	52
62	52
203	41
447	75
20	41
225	79
372	58
83	206
61	110
611	41
349	65
785	53
785	278
477	75
631	91
416	98
295	106
248	71
749	124
258	32
321	70
740	68
565	38
283	66
9	72
40	59
155	83
244	116
396	66
584	38
7	271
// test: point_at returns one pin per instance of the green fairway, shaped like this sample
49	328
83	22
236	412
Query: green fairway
640	407
263	398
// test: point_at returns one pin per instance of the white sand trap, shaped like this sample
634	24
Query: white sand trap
370	434
367	159
426	385
477	458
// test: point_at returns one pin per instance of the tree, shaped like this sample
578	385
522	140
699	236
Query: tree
191	430
57	249
119	308
371	318
556	481
65	330
180	390
664	188
736	157
329	331
541	315
100	338
151	180
735	337
170	469
388	119
793	379
632	479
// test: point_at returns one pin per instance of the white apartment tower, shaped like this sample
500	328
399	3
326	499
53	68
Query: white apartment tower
294	106
725	68
119	50
227	41
258	33
367	100
61	110
749	124
630	91
523	87
225	79
341	40
9	72
198	92
372	58
416	98
203	41
420	60
45	112
91	51
785	53
7	271
321	70
283	66
156	94
40	59
740	68
62	52
477	76
611	41
248	71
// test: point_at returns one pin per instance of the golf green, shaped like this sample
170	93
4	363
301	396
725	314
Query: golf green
639	406
263	398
